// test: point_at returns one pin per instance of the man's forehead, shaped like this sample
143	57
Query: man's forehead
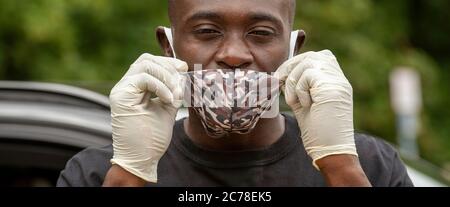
183	10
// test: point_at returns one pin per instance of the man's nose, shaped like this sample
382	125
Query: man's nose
234	53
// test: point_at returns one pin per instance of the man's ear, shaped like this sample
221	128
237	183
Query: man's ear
164	42
301	39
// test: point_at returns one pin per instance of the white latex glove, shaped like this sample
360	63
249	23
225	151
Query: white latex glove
322	99
144	105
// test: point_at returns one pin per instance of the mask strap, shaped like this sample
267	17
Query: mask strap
169	36
293	43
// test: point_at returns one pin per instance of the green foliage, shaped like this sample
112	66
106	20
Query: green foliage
96	41
75	39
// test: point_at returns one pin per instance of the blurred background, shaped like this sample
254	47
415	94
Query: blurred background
90	44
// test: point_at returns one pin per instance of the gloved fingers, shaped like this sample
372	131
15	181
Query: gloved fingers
306	86
326	90
179	65
174	68
147	83
297	72
310	70
145	56
330	60
286	68
290	97
134	68
171	64
161	73
172	80
327	53
297	90
164	68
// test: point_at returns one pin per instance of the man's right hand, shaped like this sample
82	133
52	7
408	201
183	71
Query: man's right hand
144	105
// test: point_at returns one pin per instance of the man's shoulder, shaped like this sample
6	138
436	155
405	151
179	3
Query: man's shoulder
99	152
381	162
87	168
94	157
370	145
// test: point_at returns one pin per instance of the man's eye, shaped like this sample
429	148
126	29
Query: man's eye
206	31
261	33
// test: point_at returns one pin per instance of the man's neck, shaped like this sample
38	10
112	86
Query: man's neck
266	133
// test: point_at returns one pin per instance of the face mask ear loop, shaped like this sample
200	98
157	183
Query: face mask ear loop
169	36
293	43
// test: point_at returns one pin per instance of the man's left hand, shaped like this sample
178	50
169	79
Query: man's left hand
321	97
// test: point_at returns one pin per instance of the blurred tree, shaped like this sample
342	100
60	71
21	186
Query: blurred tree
75	39
371	38
430	32
85	40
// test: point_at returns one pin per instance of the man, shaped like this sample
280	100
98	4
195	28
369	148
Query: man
317	147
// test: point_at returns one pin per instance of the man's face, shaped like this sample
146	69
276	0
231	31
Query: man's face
250	34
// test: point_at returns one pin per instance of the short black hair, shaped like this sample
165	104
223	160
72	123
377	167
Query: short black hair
293	9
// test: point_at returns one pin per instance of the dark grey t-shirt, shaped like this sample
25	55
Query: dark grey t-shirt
285	163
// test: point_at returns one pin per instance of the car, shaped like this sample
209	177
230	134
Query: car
42	125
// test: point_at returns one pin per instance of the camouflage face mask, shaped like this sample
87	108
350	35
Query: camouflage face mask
231	101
